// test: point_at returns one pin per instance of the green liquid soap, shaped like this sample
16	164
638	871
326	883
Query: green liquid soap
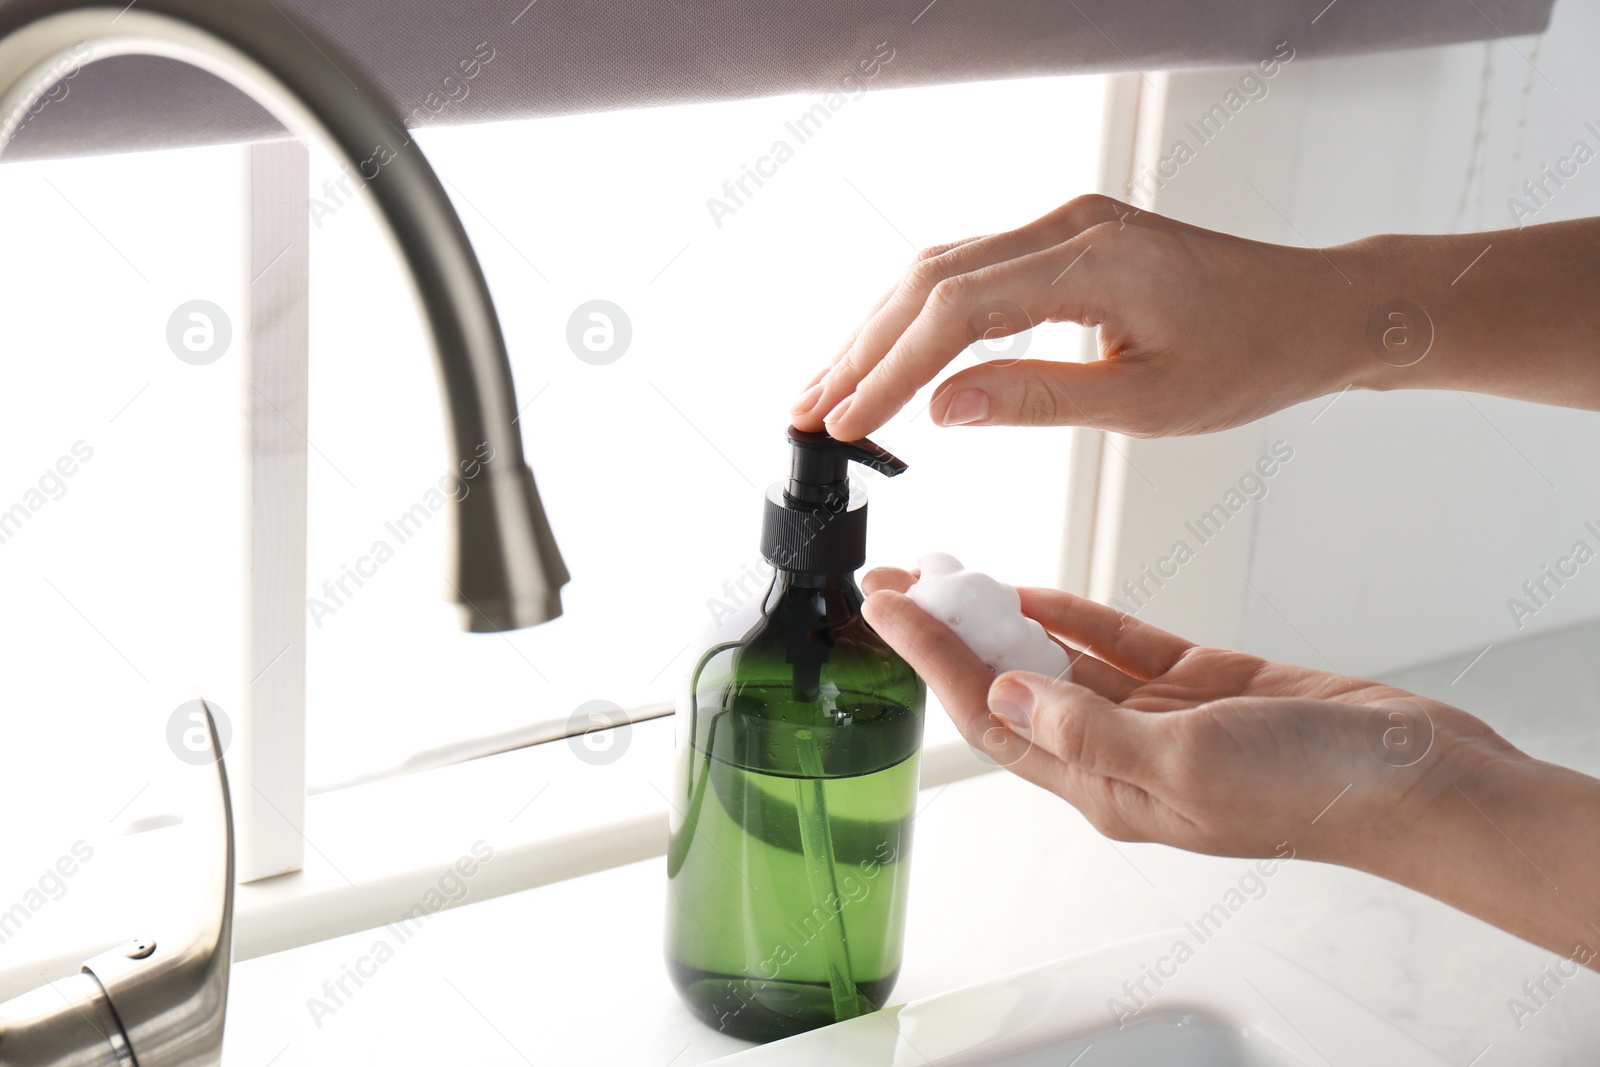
788	864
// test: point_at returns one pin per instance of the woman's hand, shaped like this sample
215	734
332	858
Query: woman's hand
1198	330
1201	331
1158	739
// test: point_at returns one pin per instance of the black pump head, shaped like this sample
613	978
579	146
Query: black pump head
821	467
812	523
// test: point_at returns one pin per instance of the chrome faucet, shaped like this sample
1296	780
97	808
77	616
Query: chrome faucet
161	1003
508	572
158	1001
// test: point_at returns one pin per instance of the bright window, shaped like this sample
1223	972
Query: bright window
653	467
124	587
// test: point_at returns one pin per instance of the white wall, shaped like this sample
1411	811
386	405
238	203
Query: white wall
1406	520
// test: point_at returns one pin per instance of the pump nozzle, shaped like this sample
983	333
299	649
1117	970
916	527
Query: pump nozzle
812	522
821	464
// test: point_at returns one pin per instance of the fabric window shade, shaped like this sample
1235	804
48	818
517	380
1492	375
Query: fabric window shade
550	58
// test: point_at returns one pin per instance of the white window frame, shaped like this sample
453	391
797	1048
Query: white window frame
1149	488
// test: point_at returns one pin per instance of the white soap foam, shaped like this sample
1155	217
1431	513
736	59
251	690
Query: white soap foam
987	615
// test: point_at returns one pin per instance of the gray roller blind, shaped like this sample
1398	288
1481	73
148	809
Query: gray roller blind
456	61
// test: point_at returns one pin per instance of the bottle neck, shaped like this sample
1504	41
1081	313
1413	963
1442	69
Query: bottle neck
787	579
833	596
808	610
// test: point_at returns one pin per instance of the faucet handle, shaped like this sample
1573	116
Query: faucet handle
154	1001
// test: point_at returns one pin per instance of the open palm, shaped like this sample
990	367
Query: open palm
1155	738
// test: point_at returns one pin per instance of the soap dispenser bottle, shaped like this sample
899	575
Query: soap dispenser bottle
796	779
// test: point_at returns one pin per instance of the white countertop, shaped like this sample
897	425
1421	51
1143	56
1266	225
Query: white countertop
1005	876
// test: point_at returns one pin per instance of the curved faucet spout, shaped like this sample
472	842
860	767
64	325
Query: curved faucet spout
507	571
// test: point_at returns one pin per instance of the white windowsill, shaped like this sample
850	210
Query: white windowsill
376	851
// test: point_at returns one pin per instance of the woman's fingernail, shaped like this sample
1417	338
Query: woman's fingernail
1011	705
808	400
968	405
838	412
